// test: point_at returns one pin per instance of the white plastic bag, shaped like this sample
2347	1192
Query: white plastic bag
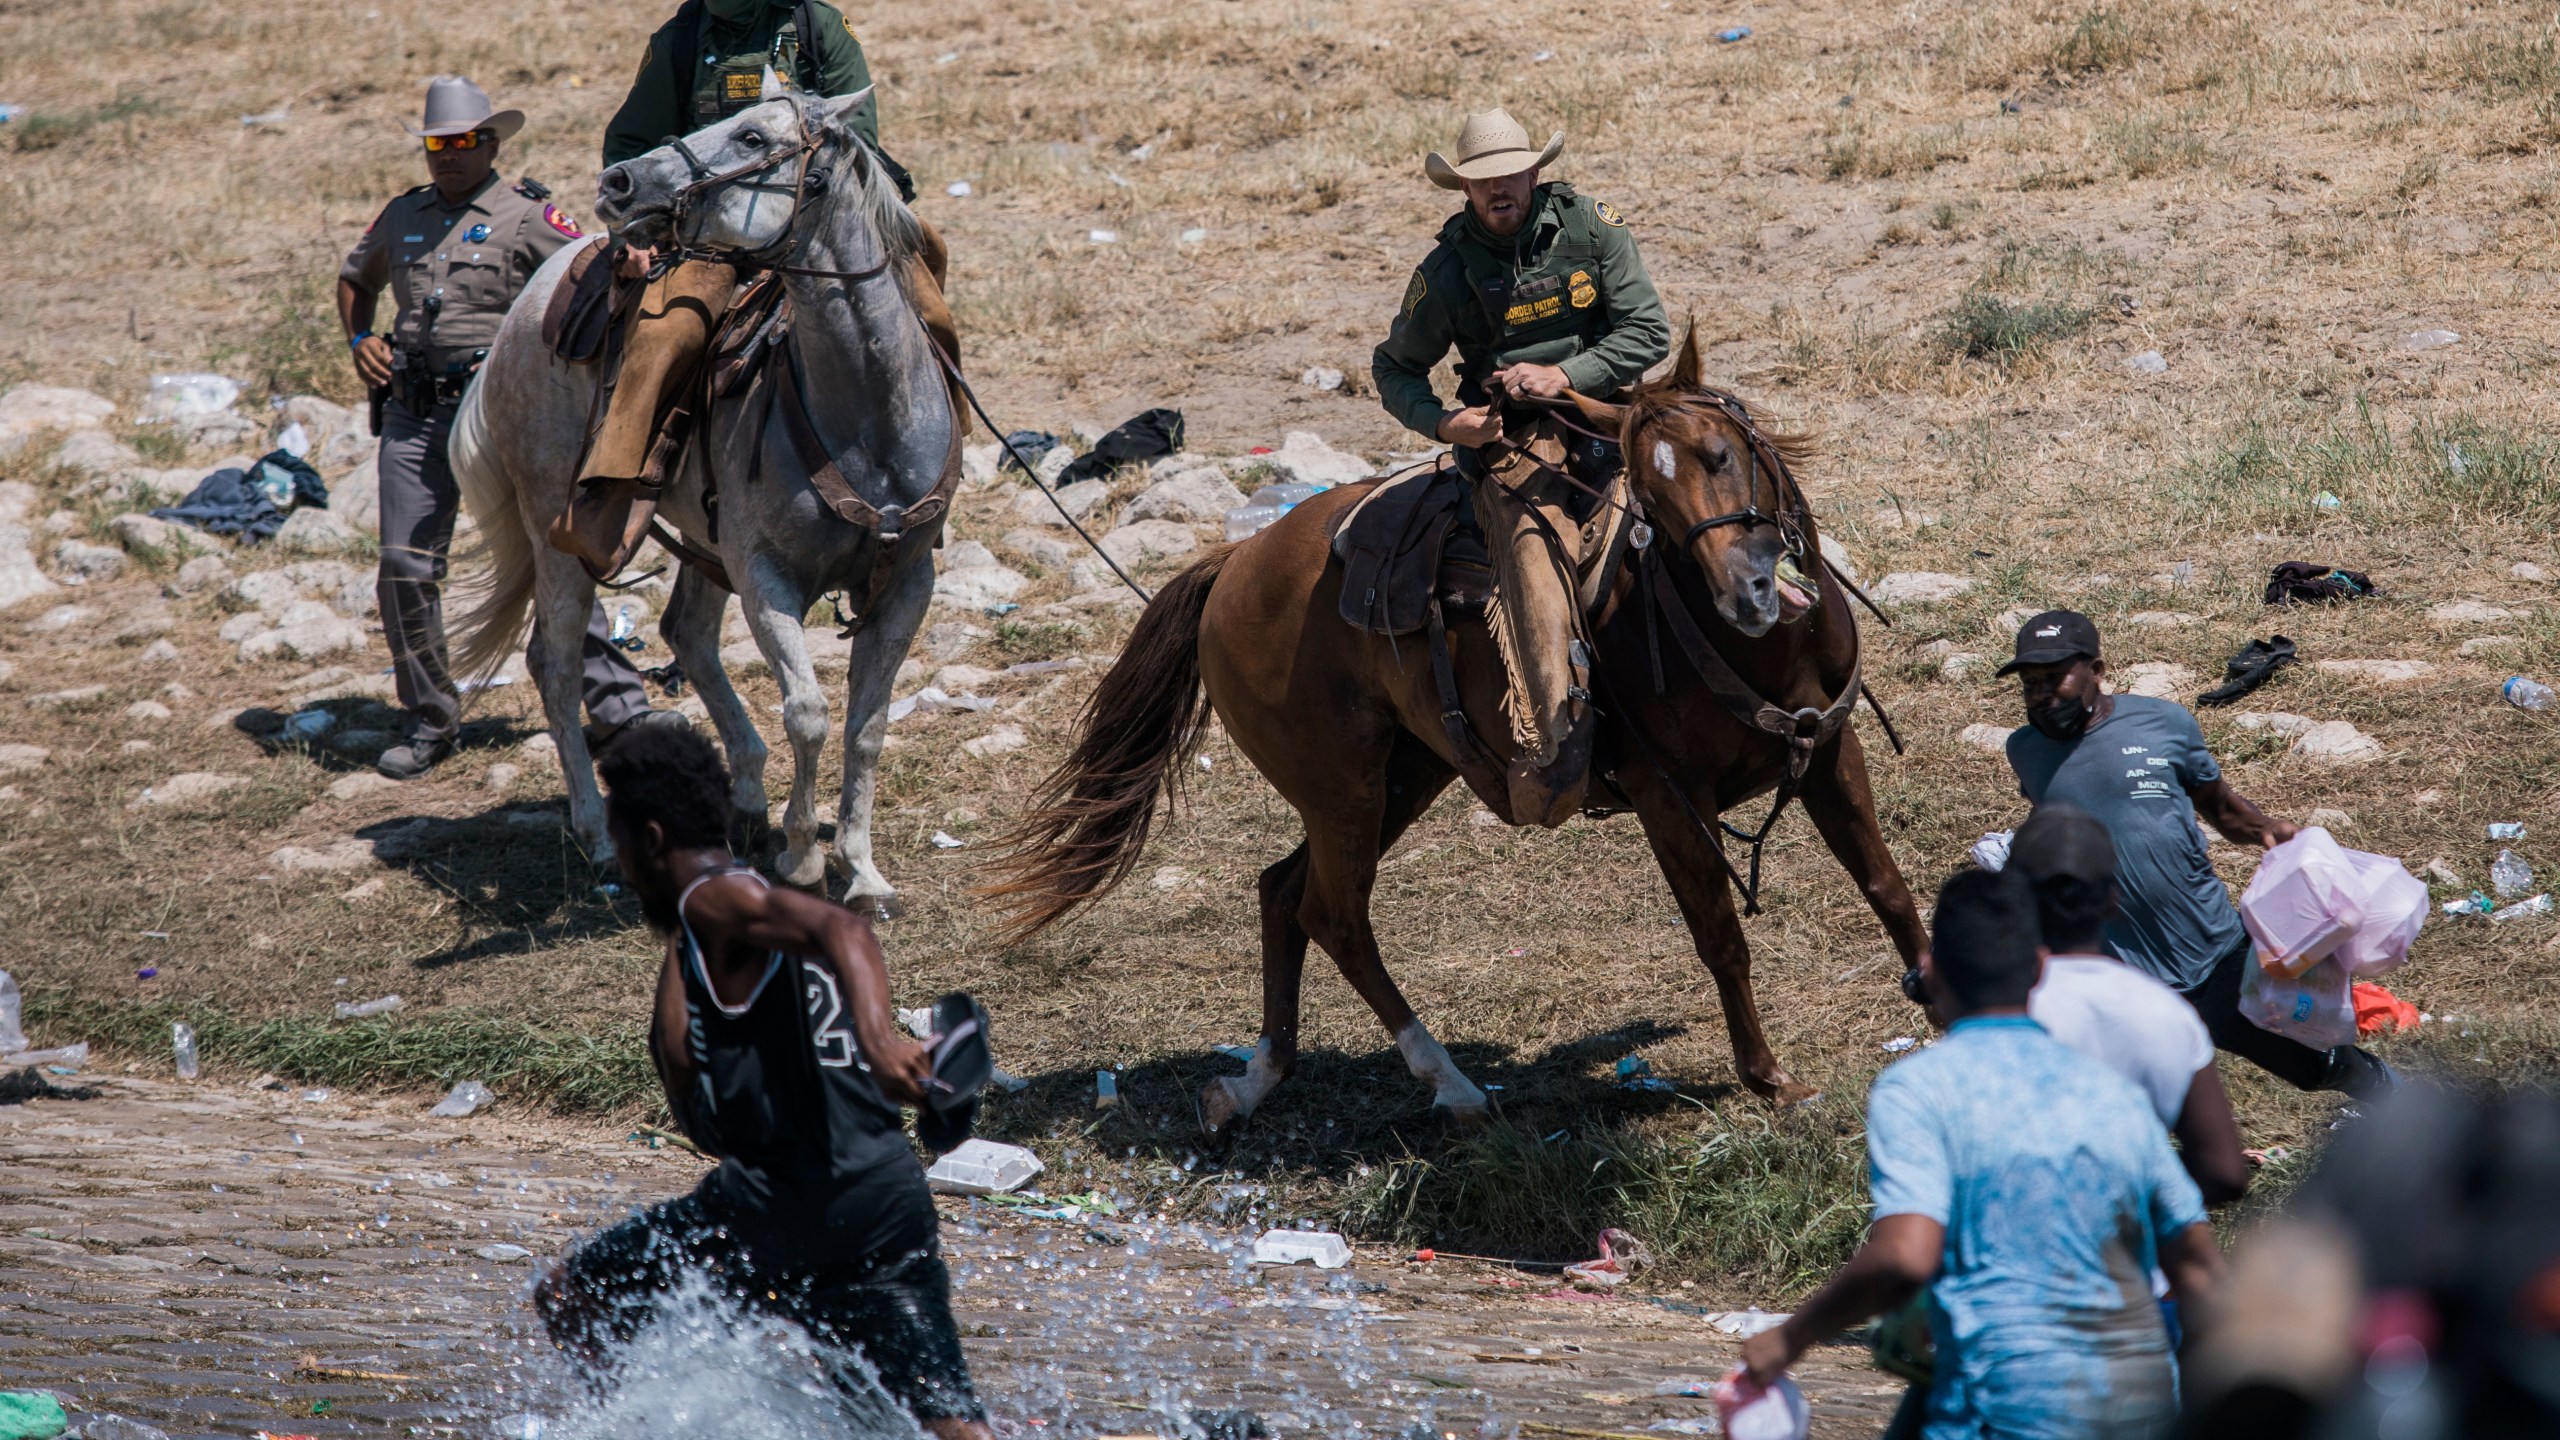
12	1038
2393	904
2302	903
2315	1008
1750	1412
1991	852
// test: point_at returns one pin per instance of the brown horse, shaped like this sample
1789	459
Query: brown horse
1701	620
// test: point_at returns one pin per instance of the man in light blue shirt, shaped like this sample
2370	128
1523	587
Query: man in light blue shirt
2032	1190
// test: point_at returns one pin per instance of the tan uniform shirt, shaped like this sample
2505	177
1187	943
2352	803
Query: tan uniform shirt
477	254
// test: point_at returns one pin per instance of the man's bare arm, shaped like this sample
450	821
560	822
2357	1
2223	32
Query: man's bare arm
1900	1255
2193	1264
668	1051
2209	1140
2238	817
770	917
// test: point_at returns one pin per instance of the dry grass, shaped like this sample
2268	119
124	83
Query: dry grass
1942	284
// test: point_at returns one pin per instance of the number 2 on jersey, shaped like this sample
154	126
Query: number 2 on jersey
826	1010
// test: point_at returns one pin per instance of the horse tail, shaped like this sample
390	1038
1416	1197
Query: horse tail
1089	820
499	587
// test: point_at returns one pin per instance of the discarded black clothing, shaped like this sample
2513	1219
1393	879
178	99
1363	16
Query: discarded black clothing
1028	444
231	501
2300	582
30	1084
2250	668
1142	437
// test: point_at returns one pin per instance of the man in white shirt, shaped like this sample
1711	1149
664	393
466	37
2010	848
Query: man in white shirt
2115	1014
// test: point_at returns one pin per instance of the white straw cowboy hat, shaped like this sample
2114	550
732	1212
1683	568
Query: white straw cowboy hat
455	106
1490	145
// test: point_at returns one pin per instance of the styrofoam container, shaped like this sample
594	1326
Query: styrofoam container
2393	906
983	1167
2316	1007
1327	1250
2302	903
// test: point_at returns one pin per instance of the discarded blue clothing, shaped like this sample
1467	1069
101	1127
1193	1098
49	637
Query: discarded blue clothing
231	502
1029	445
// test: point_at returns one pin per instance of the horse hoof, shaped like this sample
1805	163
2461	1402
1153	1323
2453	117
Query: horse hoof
806	871
881	908
1220	1112
1786	1094
1468	1117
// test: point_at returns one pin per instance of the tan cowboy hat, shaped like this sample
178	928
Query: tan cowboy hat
1490	145
455	106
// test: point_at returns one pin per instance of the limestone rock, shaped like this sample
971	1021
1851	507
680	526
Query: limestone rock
978	465
80	563
146	710
202	573
1040	547
28	409
947	640
163	487
1149	540
1992	738
2160	619
961	679
2159	679
140	533
356	498
2330	819
2377	672
2008	622
160	652
241	626
15	758
63	617
1199	496
2480	645
501	778
304	639
978	586
217	429
336	857
360	783
2337	743
20	580
338	437
1033	508
964	554
1838	555
1002	740
186	789
1918	587
2529	572
56	699
2468	612
316	532
1305	456
96	455
2277	721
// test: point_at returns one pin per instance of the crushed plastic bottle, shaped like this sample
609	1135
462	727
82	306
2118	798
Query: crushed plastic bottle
13	1038
2538	905
1322	1248
461	1100
2506	829
2474	904
182	1038
2527	694
365	1010
116	1427
1268	504
2509	875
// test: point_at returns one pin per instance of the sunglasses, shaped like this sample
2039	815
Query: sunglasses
469	140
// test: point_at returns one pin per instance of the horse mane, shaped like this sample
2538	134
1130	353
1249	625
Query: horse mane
901	234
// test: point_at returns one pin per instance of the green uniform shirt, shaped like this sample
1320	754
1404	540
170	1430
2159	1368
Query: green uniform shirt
733	41
1567	290
476	253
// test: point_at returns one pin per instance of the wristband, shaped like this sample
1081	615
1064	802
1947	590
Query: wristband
356	341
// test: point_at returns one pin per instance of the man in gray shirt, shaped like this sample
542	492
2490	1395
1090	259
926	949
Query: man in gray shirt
2140	765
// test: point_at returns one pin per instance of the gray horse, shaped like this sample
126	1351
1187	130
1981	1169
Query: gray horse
785	184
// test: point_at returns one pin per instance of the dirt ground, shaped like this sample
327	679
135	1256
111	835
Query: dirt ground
1938	235
215	1259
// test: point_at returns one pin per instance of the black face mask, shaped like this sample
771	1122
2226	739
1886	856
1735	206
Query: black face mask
2060	719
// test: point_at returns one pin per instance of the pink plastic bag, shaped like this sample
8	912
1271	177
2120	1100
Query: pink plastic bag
1749	1410
2315	1007
2392	904
2303	902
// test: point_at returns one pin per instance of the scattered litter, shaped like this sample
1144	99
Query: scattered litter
1541	58
1325	1249
916	1020
1991	852
2509	875
2526	694
147	972
1693	1425
17	1087
2379	1012
1103	237
11	112
946	57
1320	377
657	1139
1206	764
932	701
30	1415
1006	1081
13	1036
1751	1411
944	840
305	726
1737	33
502	1252
958	190
367	1009
1621	1255
117	1427
316	1096
2250	668
2506	829
983	1167
2538	905
182	1039
277	116
1268	504
1244	1053
2298	581
1691	1388
1898	1044
2475	904
1106	1090
153	934
1516	952
461	1100
2272	1155
267	1081
626	630
1194	235
2149	362
2326	501
2429	340
177	397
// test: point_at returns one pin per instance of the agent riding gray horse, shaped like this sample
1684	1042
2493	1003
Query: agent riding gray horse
832	471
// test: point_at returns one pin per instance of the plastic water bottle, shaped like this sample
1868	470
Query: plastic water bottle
2509	875
2527	694
183	1038
2538	905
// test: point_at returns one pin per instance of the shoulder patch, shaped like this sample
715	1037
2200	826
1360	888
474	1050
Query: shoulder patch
1414	291
1608	213
552	216
533	189
648	57
848	27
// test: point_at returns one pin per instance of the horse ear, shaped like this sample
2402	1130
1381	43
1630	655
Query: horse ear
839	108
1685	371
1604	417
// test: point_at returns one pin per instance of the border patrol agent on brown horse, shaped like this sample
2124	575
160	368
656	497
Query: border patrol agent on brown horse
714	59
453	252
1541	290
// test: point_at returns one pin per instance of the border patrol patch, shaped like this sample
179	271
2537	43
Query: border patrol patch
1609	213
553	216
1584	292
848	28
1414	292
475	234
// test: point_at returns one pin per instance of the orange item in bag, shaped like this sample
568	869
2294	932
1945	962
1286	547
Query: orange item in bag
2378	1011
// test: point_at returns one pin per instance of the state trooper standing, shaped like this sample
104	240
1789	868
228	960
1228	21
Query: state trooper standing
454	253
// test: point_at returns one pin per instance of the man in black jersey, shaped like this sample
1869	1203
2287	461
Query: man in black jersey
774	1038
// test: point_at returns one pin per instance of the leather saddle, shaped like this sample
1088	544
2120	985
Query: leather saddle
580	316
1413	536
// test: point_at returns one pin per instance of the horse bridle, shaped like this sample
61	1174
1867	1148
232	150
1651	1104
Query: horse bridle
1751	516
812	178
